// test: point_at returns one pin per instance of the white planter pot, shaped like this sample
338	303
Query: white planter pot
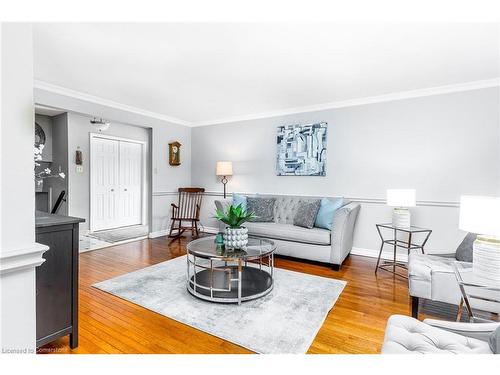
236	238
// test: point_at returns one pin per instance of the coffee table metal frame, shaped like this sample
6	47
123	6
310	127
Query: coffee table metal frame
228	262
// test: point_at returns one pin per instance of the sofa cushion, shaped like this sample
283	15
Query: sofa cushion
239	199
289	232
405	335
263	208
324	219
306	214
464	250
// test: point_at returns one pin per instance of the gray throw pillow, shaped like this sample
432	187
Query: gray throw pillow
464	250
494	341
306	213
263	208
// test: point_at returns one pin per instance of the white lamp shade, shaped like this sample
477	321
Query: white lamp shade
480	215
401	197
224	168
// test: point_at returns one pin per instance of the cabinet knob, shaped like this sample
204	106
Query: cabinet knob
112	189
124	189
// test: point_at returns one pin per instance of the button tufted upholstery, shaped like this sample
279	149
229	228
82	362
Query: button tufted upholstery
405	335
314	244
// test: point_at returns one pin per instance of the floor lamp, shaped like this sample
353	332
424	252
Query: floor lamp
224	169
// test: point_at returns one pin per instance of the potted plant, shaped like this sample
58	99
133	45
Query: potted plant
235	235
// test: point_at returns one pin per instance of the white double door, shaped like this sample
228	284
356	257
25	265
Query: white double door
116	183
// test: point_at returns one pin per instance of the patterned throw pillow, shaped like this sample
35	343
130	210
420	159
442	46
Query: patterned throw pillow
263	208
306	213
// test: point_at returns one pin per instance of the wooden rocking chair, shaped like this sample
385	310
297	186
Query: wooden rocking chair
188	209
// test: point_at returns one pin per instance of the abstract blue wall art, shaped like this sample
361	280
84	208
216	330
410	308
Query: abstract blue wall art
301	150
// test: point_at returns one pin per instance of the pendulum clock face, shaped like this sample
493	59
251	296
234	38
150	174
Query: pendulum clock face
174	153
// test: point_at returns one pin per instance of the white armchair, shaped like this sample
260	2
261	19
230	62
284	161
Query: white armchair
405	335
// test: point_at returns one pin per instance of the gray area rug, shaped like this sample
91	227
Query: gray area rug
120	234
285	321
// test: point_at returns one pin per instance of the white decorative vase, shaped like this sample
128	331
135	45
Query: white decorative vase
236	238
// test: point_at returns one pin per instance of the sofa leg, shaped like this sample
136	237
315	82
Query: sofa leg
414	307
336	267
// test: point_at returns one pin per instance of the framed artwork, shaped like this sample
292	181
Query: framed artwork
174	153
301	150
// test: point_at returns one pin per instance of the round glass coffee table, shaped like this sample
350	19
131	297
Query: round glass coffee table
217	274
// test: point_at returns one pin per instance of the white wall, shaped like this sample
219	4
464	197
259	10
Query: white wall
165	178
19	255
442	145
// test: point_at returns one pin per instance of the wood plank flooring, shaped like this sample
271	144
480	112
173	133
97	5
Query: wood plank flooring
109	324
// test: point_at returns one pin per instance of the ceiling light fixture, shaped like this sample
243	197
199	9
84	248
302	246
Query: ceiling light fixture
100	124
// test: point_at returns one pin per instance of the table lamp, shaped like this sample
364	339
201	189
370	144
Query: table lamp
481	215
224	169
401	199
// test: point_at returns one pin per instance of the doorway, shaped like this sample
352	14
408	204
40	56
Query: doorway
117	182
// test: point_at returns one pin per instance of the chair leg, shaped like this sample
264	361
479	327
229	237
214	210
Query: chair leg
196	228
414	307
172	225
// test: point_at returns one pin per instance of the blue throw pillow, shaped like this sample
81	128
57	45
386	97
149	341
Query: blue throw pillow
324	219
240	199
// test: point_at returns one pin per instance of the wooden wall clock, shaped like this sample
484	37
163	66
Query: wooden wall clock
174	153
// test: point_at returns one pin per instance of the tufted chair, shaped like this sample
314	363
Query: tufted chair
405	335
316	244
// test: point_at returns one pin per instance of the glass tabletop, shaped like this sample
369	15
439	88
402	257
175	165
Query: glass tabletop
412	228
207	248
466	276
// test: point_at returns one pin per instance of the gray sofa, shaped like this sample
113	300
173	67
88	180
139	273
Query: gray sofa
315	244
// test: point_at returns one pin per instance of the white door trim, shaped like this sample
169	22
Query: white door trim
144	174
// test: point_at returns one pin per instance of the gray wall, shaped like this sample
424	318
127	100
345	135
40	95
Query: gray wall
165	178
79	129
442	145
59	159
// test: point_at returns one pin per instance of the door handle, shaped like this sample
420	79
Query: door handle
112	189
124	189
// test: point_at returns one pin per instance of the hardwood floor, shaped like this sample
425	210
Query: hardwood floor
109	324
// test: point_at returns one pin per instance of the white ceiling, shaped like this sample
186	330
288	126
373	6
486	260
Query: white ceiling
202	73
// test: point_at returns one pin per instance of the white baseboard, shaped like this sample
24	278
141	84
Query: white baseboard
373	253
159	233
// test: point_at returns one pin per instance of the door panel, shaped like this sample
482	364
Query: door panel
105	184
130	183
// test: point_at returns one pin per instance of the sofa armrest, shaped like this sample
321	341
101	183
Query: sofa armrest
342	233
480	331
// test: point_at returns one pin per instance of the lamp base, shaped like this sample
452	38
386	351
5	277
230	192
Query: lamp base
486	257
401	217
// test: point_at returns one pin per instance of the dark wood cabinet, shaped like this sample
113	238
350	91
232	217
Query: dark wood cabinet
57	279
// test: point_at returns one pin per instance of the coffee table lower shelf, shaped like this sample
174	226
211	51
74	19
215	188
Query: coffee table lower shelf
221	284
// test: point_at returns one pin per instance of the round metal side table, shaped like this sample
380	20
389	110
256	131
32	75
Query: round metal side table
217	274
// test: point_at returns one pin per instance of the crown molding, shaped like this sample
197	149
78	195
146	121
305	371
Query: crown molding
42	85
439	90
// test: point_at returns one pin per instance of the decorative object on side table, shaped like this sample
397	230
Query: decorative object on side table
235	235
401	199
174	153
481	215
395	243
224	169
